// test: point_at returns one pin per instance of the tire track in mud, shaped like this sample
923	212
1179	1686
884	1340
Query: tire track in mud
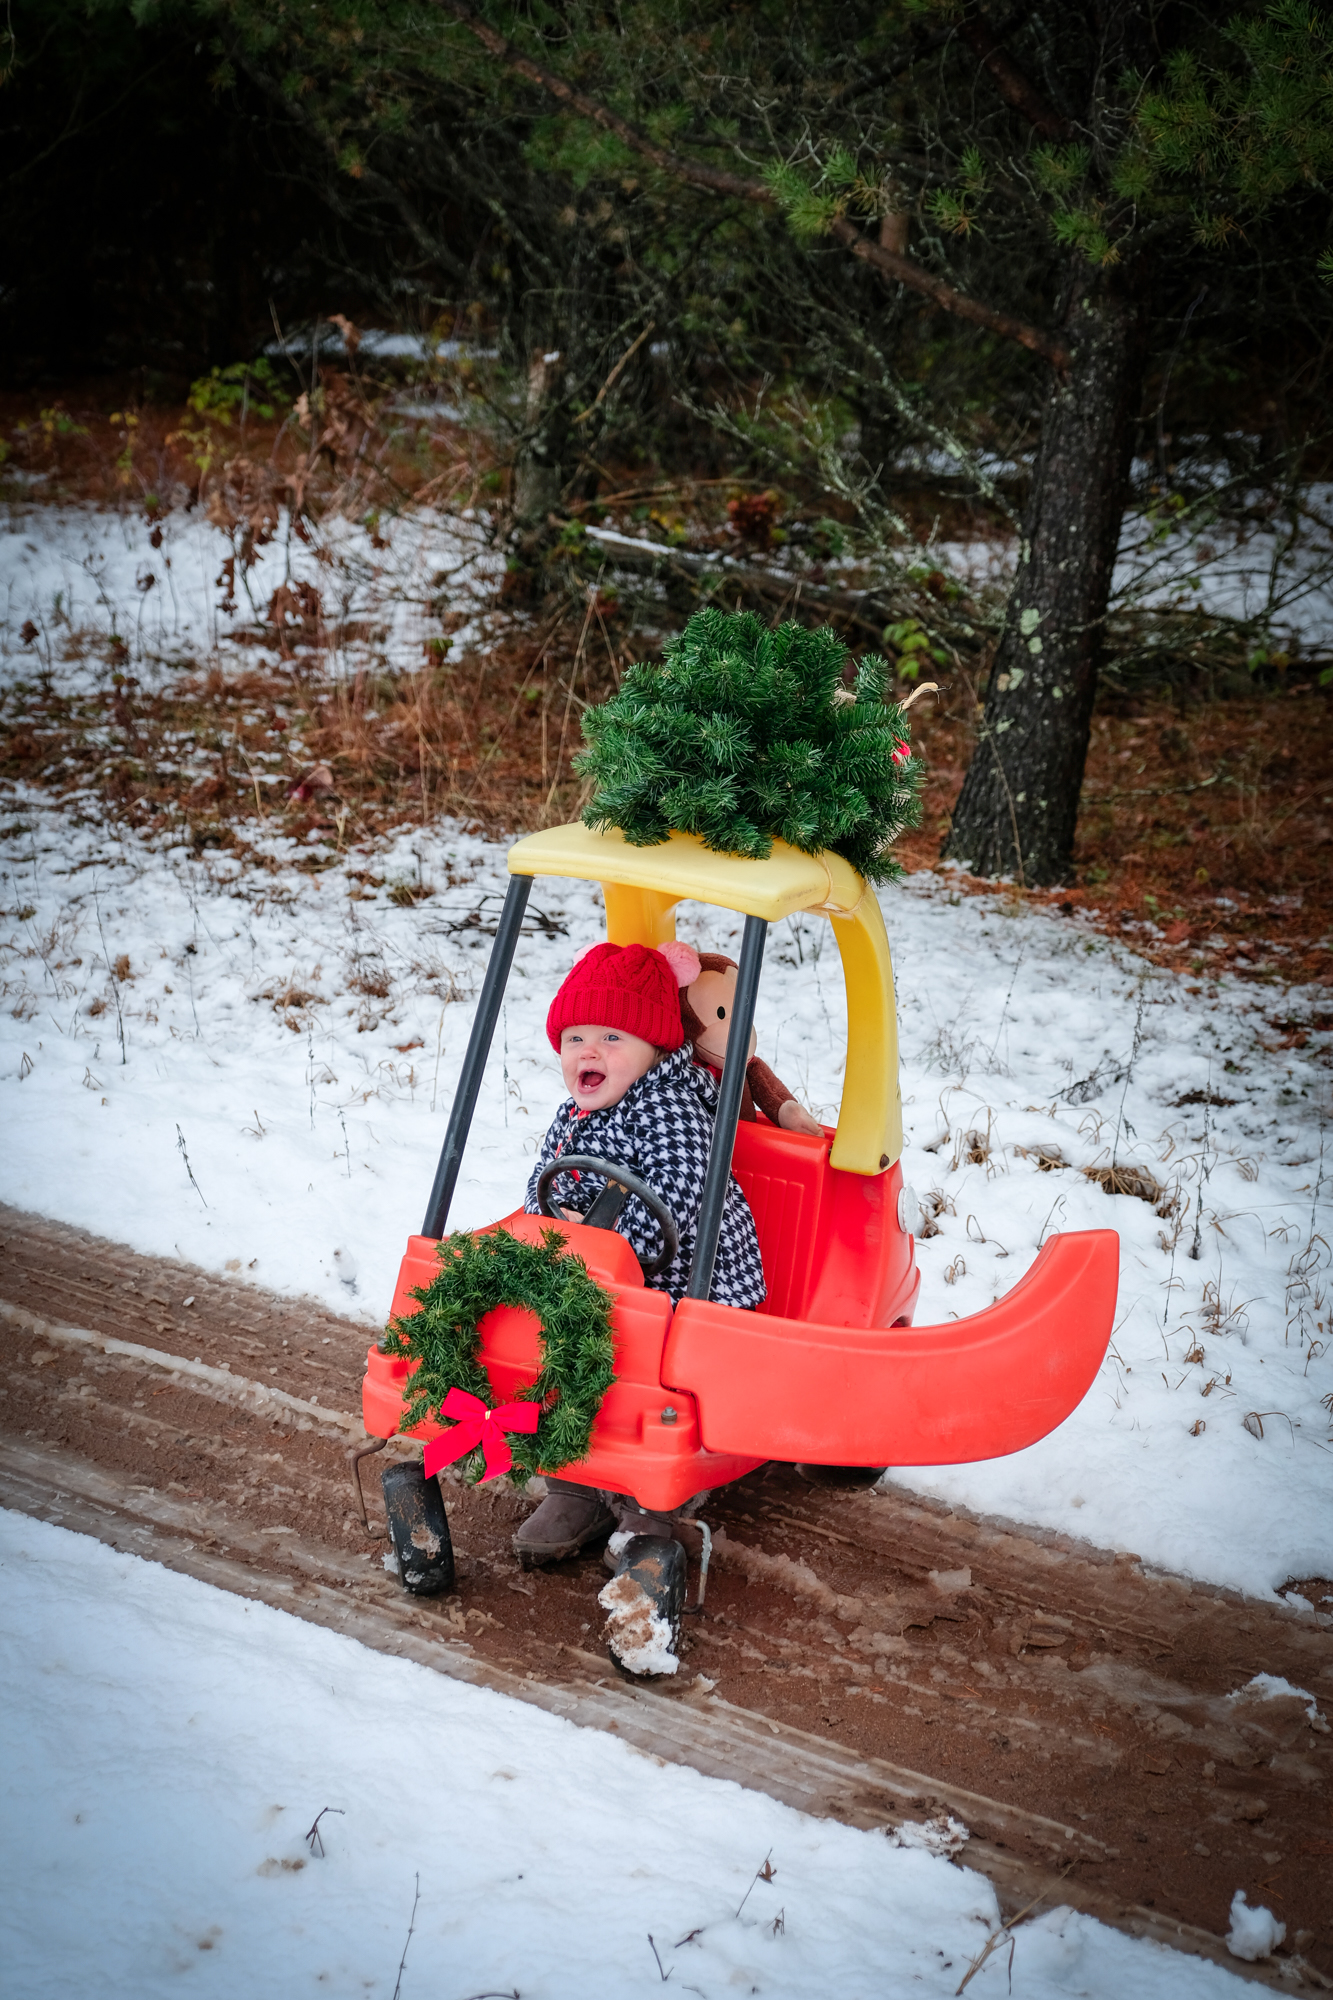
1074	1710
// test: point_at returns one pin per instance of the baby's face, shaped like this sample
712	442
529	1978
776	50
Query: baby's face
600	1064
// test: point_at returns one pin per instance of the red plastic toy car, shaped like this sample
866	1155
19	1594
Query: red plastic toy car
830	1369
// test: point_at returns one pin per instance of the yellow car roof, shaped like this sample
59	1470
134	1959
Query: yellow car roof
682	867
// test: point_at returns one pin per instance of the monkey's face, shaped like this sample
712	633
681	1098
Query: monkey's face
713	999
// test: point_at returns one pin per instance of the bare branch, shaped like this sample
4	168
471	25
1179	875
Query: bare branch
717	180
961	304
1014	86
892	68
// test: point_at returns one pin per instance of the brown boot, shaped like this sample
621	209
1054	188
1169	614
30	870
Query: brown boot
568	1518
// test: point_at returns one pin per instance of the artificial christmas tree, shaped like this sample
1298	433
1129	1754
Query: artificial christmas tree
745	735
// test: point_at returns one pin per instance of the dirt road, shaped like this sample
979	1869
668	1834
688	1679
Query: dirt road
862	1653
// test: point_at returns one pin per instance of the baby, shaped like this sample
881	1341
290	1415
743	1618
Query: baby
637	1097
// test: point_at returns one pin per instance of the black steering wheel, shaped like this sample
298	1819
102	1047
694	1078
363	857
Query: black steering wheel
620	1184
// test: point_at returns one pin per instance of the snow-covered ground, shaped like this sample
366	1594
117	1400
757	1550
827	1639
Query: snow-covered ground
296	1040
93	573
85	573
1229	552
1270	571
1257	571
264	1090
166	1747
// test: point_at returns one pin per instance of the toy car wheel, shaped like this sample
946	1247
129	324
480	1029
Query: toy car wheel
419	1530
844	1476
644	1603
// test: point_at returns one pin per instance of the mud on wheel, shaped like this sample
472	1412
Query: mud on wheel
644	1604
419	1530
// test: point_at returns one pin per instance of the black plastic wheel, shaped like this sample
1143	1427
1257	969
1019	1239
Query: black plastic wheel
657	1567
419	1529
851	1477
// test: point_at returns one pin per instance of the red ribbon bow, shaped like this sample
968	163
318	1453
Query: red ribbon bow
475	1425
902	753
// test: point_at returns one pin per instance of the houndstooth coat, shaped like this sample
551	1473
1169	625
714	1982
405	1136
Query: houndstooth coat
661	1130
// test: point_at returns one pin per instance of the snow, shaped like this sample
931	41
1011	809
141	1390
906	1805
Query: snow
1272	1687
944	1835
640	1639
165	1747
1211	545
1254	1933
240	1098
292	1142
84	571
947	1581
1247	565
386	345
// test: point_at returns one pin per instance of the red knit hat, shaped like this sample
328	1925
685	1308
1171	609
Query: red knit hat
626	987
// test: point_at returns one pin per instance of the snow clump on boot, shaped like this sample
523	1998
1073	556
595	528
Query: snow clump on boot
639	1639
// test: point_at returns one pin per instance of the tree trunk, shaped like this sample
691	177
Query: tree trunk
540	470
1019	803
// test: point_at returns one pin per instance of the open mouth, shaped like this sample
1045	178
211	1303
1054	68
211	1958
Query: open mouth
591	1079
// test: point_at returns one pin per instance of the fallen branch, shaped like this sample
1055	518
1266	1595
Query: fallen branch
1153	792
870	609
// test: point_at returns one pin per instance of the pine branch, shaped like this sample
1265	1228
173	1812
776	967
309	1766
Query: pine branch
719	180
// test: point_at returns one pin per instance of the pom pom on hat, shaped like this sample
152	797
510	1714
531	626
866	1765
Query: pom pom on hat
683	960
626	987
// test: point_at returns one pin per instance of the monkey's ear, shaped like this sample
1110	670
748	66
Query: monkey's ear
683	960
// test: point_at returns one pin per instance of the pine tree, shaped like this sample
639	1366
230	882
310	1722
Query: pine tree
745	735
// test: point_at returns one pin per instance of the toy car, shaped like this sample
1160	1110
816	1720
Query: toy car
829	1370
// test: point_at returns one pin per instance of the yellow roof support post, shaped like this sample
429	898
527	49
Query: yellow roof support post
642	886
639	916
870	1118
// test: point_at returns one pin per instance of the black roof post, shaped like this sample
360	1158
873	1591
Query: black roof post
478	1048
714	1195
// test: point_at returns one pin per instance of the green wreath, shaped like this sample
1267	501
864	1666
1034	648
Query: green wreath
478	1273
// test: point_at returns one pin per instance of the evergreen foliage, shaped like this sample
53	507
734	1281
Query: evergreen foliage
1204	142
744	735
478	1273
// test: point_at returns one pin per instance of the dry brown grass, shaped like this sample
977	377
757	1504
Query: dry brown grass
283	745
1205	835
1127	1180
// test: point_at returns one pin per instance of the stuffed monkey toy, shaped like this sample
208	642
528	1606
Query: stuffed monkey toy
706	1006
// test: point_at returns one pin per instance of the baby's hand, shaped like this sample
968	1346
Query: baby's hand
794	1117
